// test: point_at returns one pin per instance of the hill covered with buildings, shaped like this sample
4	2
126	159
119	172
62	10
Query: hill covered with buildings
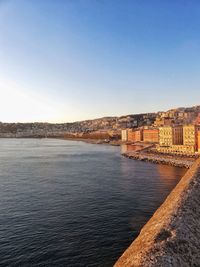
107	126
176	131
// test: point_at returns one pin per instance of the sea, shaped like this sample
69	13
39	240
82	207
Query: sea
74	204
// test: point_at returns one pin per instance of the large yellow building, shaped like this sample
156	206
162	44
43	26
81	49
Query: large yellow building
165	136
189	135
169	135
179	139
177	149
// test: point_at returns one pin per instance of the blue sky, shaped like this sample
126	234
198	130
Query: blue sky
69	60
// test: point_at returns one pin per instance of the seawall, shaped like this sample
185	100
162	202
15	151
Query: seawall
173	161
172	236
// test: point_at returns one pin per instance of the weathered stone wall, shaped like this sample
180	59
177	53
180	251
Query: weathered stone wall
172	236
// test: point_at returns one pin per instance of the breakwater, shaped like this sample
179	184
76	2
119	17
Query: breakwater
161	159
172	236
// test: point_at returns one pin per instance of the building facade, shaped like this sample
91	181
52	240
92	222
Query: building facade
132	135
190	136
198	141
135	135
151	135
139	135
165	136
169	135
124	135
177	149
177	134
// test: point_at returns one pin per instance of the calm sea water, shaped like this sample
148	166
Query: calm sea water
65	203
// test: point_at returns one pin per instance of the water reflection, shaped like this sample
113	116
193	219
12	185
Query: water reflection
72	204
145	185
129	148
167	174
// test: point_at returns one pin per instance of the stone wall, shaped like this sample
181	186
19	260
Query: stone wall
172	236
183	162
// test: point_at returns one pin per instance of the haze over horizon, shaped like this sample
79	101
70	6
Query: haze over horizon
63	61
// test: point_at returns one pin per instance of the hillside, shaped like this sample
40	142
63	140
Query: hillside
115	124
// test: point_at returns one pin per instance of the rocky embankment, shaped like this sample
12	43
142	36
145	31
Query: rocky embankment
172	236
185	162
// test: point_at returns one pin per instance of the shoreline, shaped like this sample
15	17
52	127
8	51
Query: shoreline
96	141
89	140
161	159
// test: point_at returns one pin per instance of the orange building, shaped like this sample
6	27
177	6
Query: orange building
151	135
135	135
131	135
198	141
139	135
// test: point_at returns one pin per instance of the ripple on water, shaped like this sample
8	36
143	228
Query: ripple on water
66	203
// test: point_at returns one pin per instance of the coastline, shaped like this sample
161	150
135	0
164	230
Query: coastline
161	159
86	140
172	235
96	141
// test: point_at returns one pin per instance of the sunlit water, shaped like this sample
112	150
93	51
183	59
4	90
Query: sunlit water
65	203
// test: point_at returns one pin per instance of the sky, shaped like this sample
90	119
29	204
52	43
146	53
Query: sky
70	60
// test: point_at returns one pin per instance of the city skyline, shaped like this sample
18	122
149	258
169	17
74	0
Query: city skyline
74	60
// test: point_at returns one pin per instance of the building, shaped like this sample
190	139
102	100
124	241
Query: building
138	135
132	135
124	135
165	136
177	132
198	141
190	136
177	149
135	135
179	139
169	135
163	121
151	135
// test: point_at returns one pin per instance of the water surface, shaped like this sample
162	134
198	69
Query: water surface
65	203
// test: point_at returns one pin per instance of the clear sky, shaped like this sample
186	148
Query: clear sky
68	60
